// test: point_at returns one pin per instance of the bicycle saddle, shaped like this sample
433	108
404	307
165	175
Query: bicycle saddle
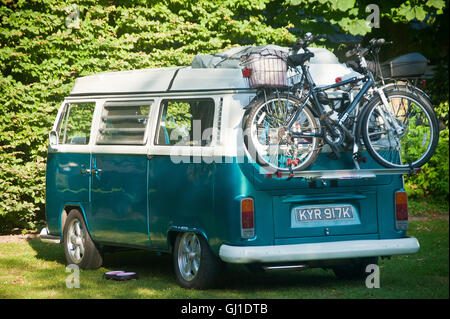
299	58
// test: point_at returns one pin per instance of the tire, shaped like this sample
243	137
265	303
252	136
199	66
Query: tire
196	267
393	87
260	129
78	245
417	142
354	270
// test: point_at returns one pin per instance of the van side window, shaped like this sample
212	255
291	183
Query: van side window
75	124
185	122
124	123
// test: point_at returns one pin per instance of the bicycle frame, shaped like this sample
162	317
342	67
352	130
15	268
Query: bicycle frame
367	78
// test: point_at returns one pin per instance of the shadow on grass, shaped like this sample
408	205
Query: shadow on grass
38	270
157	278
46	251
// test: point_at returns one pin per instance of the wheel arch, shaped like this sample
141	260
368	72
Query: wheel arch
65	211
174	231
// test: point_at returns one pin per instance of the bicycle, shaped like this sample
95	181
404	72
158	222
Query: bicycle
401	82
286	130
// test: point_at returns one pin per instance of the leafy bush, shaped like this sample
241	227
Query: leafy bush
433	180
40	58
432	183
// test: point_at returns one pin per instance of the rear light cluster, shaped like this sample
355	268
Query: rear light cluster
247	218
401	210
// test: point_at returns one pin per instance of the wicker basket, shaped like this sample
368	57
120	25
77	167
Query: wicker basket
267	67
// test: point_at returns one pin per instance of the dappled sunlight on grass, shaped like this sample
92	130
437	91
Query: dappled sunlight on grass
34	269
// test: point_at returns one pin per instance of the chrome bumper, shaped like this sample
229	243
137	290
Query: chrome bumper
318	251
47	238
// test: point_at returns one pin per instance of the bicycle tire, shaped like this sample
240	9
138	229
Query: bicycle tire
256	149
419	130
395	87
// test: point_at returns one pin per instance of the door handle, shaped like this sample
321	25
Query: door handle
85	171
96	170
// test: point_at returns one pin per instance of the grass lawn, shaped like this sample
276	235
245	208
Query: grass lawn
32	269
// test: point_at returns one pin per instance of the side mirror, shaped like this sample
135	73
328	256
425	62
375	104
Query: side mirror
53	138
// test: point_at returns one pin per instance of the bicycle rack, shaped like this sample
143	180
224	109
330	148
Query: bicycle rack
355	173
347	174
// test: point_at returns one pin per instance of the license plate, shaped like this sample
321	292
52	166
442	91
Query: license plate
323	213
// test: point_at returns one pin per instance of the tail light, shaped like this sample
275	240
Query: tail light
247	218
401	210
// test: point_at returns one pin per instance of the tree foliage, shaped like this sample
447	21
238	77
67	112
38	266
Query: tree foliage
433	182
40	57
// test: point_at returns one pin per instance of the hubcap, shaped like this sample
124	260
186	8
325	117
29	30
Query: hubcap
189	253
75	241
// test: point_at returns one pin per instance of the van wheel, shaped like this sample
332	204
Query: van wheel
354	270
195	264
78	245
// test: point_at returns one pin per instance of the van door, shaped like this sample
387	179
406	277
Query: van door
67	176
324	208
326	213
181	179
119	173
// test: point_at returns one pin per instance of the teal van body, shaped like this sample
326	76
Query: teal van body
135	190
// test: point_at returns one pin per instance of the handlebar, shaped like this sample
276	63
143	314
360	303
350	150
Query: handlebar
377	42
307	40
373	45
302	43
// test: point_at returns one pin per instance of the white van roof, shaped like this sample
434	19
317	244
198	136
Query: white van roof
172	79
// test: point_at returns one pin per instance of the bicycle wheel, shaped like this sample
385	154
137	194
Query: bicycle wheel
403	87
405	134
267	137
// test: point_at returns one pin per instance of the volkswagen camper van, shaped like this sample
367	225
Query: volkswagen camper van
155	159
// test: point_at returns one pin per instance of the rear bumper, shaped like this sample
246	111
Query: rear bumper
47	238
318	251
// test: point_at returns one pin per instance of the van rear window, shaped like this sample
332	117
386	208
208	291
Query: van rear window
124	123
185	122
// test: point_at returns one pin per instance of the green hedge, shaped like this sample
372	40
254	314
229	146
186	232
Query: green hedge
432	183
40	58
